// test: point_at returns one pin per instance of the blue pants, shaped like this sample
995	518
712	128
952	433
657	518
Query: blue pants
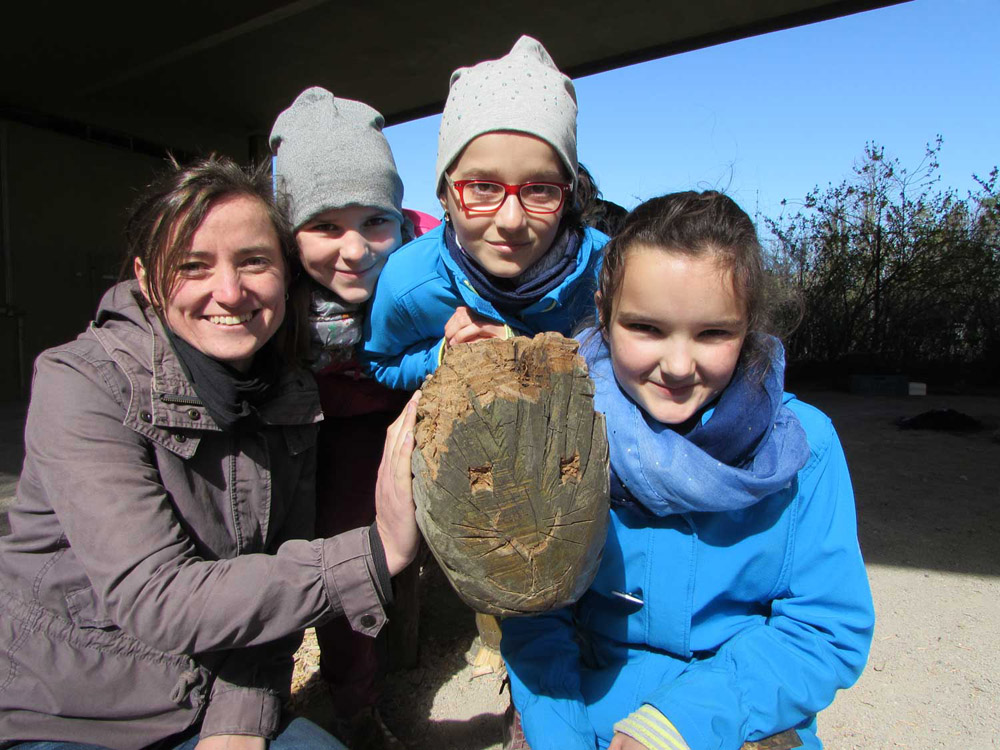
299	734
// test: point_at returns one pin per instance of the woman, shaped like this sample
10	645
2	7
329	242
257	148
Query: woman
157	576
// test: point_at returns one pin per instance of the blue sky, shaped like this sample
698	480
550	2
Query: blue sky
770	117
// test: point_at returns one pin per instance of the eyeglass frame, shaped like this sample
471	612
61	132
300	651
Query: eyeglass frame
510	190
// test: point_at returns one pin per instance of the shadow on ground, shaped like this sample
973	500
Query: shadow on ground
437	705
926	499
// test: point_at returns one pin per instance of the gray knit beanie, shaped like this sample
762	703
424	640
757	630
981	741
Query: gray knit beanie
522	91
331	153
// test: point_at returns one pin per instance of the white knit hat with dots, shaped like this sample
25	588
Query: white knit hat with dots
523	91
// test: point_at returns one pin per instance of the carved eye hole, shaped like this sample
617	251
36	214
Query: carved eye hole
569	469
481	478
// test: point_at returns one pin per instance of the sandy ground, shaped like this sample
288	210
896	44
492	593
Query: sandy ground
929	521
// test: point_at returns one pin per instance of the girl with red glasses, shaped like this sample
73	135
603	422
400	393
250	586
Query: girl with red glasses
513	256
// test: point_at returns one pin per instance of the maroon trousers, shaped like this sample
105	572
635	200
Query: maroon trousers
356	414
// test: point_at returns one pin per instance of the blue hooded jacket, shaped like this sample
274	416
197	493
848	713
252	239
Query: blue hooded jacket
735	624
420	288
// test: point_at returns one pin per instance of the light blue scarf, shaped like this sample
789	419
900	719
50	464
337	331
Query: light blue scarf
668	473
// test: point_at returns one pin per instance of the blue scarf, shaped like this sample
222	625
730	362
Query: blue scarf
510	296
749	447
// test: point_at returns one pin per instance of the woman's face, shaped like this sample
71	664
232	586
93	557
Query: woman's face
228	296
510	240
344	249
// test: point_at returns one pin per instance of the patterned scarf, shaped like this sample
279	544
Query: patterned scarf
750	445
334	328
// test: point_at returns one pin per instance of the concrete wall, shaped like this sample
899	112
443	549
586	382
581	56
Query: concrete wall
65	200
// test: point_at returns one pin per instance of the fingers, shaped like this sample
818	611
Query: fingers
465	326
458	320
403	440
471	332
477	332
395	513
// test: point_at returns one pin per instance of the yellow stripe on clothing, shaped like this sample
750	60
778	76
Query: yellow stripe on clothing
652	729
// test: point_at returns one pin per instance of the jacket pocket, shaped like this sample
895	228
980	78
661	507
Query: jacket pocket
86	610
300	437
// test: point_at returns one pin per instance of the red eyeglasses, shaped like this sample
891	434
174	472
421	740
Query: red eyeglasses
484	196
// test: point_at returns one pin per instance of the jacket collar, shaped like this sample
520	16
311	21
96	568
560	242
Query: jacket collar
160	395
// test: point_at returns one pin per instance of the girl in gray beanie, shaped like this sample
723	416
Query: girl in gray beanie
337	181
513	256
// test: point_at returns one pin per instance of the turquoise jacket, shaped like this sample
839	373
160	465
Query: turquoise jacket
735	625
420	288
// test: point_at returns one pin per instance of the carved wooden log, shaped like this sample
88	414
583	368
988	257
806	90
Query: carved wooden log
511	473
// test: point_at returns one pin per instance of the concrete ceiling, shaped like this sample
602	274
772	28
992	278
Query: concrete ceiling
182	72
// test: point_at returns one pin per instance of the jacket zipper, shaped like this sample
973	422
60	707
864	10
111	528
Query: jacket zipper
170	398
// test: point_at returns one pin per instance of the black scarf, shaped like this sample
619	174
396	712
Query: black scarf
510	296
229	396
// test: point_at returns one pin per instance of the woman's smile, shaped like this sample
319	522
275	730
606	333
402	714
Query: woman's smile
231	320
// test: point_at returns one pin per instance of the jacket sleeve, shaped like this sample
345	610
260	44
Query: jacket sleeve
543	662
395	350
250	689
101	480
777	675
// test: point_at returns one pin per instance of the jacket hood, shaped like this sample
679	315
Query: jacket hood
134	337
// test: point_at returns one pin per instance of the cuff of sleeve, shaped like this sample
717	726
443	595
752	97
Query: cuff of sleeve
652	729
441	347
239	710
508	332
351	581
382	578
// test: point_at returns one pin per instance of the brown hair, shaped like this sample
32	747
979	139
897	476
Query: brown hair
707	224
164	219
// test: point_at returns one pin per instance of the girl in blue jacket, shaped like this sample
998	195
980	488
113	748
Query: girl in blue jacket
513	255
732	601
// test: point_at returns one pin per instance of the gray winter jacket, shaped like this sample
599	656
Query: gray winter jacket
158	572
